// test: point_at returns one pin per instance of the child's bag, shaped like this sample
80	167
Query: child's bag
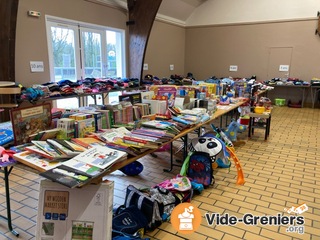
128	221
198	167
151	208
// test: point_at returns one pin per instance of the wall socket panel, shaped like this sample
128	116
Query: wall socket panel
233	68
34	13
171	67
145	66
284	68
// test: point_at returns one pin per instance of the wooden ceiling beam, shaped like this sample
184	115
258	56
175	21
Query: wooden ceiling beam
142	14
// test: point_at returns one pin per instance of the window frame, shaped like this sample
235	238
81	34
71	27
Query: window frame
78	28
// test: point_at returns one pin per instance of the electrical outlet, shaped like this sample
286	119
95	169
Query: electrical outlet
233	68
34	13
145	66
171	67
284	68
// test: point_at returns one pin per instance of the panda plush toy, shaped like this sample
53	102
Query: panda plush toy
214	147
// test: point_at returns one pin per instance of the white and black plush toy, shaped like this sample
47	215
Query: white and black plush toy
207	144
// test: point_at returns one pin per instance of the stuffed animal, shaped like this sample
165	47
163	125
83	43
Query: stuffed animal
5	154
234	128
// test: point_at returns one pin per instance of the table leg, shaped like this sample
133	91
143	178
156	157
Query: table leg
8	218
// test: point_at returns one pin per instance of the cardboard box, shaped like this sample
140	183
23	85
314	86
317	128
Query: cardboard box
78	213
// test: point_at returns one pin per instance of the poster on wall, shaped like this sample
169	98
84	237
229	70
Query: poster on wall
30	120
74	214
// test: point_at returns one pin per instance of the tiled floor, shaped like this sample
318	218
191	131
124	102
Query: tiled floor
280	172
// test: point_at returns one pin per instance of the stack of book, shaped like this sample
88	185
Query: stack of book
113	138
89	164
168	127
55	149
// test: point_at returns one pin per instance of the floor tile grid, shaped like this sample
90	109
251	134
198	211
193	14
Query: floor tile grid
279	172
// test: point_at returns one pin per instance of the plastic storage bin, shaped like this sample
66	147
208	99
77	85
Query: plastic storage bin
280	101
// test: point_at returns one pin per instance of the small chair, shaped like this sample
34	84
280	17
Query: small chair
253	124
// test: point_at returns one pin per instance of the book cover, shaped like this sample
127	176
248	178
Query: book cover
6	136
74	146
87	142
85	126
56	143
109	135
129	150
46	147
35	161
139	144
46	134
100	156
66	178
78	167
41	152
30	120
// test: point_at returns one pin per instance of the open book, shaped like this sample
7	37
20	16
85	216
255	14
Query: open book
80	169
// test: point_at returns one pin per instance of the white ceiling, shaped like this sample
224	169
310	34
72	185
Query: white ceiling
175	11
207	12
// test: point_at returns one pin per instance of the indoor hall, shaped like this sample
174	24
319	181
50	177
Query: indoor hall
279	173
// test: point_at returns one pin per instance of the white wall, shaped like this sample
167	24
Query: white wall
214	12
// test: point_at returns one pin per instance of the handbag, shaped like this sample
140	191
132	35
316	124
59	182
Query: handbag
151	208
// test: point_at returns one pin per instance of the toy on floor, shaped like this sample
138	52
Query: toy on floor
132	169
233	129
216	148
240	179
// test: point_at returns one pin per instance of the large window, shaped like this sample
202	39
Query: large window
80	50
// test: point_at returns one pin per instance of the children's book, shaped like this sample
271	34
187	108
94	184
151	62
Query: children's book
30	120
56	143
87	142
6	136
49	149
66	178
85	126
35	161
86	169
44	135
41	152
100	156
75	147
109	135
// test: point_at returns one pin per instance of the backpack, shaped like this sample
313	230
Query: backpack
198	167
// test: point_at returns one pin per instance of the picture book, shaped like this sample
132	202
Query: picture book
84	127
30	120
87	142
56	143
109	135
49	149
86	169
73	146
67	128
66	178
6	136
139	142
129	150
21	147
44	135
35	161
100	156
